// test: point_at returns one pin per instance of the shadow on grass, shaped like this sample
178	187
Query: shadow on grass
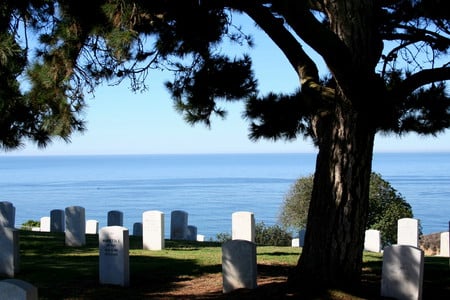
62	272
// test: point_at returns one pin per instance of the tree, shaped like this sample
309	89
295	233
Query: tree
40	113
295	207
387	68
386	207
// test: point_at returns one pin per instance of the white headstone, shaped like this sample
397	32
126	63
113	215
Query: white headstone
16	289
114	260
91	226
137	229
191	233
7	214
75	226
45	224
57	221
9	254
402	272
408	232
115	218
372	241
243	226
239	265
178	225
445	244
153	230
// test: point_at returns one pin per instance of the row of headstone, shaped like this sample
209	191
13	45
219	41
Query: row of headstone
407	234
58	222
402	271
45	226
239	267
16	289
180	230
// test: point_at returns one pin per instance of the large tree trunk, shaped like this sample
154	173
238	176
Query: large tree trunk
334	241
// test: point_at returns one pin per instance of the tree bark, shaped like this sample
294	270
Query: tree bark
332	255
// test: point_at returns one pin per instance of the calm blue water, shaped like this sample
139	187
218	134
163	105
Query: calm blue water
209	187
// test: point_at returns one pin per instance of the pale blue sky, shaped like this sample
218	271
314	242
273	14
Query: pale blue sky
122	122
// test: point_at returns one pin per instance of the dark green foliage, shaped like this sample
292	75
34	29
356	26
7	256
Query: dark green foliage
195	93
279	116
429	112
386	206
294	211
42	112
80	48
271	235
264	235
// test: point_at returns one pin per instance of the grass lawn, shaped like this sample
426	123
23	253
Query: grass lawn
183	270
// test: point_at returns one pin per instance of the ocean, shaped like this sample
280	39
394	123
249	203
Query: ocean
209	187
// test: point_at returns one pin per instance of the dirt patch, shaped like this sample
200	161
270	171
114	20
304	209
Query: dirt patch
271	283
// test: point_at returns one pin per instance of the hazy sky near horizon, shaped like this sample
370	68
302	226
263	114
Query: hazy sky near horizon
122	122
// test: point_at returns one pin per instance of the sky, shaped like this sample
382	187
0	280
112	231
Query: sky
120	121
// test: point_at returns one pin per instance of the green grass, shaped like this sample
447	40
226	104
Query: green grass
62	272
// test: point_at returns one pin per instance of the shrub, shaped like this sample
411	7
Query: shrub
30	224
264	235
386	206
223	237
271	235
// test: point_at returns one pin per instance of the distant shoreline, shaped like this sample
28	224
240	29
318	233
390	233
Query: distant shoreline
12	154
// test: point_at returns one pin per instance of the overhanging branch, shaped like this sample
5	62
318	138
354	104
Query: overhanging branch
303	65
422	78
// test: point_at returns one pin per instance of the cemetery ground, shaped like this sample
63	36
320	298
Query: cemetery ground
186	270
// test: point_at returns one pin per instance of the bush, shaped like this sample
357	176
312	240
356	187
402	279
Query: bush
271	235
386	206
264	236
223	237
30	224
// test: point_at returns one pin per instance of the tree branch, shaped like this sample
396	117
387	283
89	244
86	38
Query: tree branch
422	78
316	35
289	45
